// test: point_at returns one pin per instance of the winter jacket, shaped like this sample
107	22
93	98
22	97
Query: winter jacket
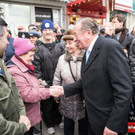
132	64
127	40
30	90
11	105
70	107
46	58
10	51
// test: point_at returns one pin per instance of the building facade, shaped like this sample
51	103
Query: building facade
95	9
124	7
26	12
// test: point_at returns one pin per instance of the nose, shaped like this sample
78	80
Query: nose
67	45
30	38
47	31
32	58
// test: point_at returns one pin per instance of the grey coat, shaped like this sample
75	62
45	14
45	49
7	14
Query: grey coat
71	107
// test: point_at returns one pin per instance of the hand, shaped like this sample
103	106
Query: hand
42	83
83	103
25	120
56	91
57	101
107	131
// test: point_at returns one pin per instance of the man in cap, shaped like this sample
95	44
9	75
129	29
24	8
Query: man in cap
45	62
33	36
13	120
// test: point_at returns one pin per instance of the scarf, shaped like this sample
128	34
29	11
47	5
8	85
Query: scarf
31	67
123	33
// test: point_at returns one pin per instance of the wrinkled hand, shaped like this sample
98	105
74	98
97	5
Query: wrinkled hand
107	131
56	91
25	120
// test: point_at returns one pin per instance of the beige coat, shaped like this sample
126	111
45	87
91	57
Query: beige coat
70	107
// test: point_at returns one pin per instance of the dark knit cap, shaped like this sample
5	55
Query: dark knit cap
34	33
47	24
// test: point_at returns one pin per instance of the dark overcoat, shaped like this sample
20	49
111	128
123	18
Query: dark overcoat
107	87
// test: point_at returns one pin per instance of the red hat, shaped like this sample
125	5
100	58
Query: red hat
20	28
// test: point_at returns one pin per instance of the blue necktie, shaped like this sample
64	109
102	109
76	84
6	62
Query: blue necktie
87	56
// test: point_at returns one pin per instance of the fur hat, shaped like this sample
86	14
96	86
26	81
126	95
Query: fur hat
22	46
47	24
69	35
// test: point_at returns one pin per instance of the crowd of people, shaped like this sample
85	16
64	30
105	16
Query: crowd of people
83	75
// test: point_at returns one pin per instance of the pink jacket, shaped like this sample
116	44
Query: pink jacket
30	90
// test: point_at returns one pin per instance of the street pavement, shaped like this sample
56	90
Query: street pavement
58	130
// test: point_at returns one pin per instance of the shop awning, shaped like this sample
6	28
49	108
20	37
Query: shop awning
92	5
75	2
123	8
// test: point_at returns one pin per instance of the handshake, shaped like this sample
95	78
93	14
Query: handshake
56	91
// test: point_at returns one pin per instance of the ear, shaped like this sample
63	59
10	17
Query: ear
89	32
122	24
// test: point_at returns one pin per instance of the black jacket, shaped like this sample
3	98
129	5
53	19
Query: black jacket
107	87
132	64
45	60
127	40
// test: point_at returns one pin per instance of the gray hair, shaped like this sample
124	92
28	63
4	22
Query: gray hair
2	25
88	23
1	31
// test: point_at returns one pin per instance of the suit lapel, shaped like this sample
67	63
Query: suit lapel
93	54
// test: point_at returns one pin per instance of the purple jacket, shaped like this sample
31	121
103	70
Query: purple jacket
30	90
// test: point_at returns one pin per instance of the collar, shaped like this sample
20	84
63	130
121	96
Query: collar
30	67
92	43
68	56
1	72
19	64
42	40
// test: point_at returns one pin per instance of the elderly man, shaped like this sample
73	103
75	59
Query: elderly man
13	120
105	81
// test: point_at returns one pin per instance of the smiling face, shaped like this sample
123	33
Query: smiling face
71	46
83	38
47	34
28	57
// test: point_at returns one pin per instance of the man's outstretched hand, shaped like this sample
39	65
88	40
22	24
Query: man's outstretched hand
56	91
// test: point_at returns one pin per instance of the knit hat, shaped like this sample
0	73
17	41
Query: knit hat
47	24
69	35
22	46
34	33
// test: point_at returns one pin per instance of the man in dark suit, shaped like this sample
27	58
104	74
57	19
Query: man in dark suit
106	81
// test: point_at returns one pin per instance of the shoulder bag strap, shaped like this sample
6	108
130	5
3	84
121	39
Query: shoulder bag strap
71	71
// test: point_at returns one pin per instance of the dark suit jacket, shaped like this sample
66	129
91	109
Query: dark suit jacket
106	85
